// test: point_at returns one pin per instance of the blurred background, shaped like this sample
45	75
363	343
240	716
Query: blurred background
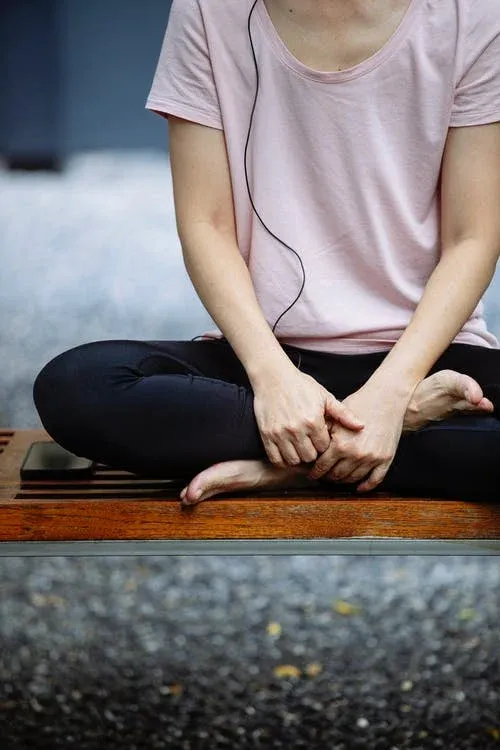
208	652
87	227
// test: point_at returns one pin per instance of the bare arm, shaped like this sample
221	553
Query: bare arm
470	235
206	226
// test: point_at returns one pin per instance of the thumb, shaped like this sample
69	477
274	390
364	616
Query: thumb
341	413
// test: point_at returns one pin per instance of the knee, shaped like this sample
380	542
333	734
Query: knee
61	388
54	377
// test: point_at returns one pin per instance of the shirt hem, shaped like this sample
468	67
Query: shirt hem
170	106
365	346
482	119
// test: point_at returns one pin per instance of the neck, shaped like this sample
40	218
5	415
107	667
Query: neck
323	9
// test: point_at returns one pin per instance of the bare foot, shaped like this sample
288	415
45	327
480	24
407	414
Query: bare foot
442	395
242	475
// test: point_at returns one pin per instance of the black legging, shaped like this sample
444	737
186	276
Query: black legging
173	408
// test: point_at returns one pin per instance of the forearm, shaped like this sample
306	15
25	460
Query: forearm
222	281
450	296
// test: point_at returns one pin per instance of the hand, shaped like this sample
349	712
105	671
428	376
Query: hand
366	455
292	412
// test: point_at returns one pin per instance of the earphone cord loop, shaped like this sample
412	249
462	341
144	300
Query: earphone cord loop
247	181
246	174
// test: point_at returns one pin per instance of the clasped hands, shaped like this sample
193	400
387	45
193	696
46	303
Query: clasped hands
354	440
364	454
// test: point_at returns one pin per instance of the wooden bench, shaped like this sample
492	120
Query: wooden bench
118	513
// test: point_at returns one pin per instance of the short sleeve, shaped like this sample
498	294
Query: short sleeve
183	84
477	94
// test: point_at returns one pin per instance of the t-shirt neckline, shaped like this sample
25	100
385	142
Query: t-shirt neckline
335	76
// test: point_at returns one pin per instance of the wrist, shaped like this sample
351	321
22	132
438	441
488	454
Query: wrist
398	387
268	370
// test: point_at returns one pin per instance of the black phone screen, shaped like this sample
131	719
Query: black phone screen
49	460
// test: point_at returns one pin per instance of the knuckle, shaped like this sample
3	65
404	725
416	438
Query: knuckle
310	455
358	455
297	428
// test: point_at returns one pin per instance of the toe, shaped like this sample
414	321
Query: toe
193	497
469	389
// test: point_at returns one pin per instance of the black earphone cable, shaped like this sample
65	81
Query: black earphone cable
246	174
248	184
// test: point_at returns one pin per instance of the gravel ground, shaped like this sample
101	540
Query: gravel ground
337	652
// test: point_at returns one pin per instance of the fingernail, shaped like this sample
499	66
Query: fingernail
197	494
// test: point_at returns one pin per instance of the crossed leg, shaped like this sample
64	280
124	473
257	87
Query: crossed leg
185	409
440	396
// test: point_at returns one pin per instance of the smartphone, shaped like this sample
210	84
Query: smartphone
49	460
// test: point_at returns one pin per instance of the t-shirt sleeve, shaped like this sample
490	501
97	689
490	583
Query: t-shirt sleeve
477	94
184	84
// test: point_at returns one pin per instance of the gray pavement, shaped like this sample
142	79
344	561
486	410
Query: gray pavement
388	653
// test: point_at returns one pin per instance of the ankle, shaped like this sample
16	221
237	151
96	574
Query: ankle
413	419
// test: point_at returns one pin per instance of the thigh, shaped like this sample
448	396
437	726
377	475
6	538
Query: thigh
213	358
458	457
100	364
206	358
161	407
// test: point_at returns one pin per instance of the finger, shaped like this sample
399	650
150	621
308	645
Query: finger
306	450
321	440
274	454
290	455
324	463
342	414
343	468
361	471
374	479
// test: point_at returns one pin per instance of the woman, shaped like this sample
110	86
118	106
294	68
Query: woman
336	173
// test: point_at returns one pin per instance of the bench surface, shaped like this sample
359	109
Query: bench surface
116	512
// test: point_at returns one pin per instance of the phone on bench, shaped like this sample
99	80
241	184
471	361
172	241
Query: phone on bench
49	460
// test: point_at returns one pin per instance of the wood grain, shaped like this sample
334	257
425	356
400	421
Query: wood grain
116	505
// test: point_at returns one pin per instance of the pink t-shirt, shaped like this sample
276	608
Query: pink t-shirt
343	166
